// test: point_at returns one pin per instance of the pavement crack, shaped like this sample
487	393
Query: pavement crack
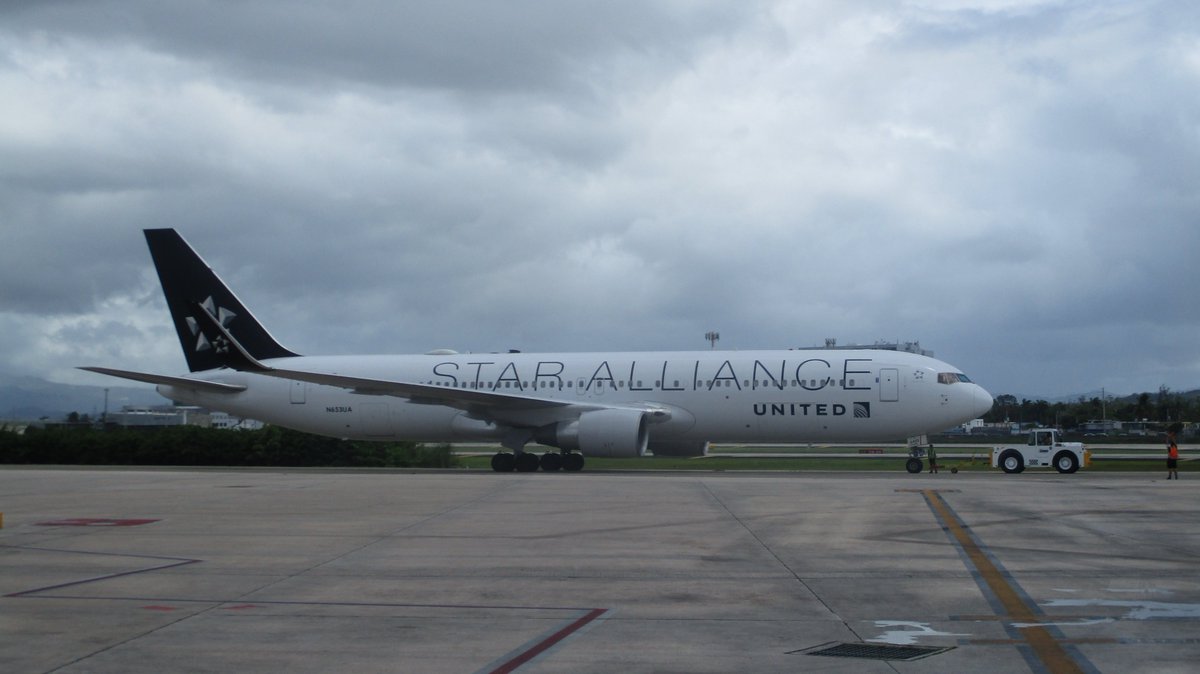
778	560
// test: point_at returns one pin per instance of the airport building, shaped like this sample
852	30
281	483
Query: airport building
161	416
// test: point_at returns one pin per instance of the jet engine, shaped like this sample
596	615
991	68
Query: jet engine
609	432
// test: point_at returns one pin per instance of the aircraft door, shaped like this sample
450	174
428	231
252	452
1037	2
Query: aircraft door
889	385
297	393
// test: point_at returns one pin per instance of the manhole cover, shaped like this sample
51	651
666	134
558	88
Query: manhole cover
874	651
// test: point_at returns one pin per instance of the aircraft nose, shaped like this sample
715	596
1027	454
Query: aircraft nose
983	401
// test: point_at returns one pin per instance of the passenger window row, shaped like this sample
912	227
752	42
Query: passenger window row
766	383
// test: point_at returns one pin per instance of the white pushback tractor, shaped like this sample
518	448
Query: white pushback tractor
1043	449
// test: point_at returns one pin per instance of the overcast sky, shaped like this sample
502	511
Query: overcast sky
1014	183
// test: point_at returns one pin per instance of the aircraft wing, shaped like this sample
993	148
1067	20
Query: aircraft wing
179	382
502	407
417	393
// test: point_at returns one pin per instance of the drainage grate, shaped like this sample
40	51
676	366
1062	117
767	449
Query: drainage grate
875	651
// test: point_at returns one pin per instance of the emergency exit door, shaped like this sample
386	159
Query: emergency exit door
889	385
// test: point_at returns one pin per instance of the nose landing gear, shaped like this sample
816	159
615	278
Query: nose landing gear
914	465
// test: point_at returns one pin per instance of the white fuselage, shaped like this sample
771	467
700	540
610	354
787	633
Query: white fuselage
713	396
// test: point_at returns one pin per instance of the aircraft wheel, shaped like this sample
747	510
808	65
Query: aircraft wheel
1066	462
914	465
552	461
503	462
572	462
526	462
1012	462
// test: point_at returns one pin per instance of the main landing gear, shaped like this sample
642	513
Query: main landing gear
525	462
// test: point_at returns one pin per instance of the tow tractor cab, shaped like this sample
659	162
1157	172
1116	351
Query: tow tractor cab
1042	449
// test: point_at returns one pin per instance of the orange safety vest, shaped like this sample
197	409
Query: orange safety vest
1172	451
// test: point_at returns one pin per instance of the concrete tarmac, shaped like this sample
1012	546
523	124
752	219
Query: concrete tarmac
317	571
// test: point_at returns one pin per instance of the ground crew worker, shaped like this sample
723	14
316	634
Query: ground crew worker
932	459
1172	457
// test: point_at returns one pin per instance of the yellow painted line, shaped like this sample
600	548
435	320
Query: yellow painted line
1021	642
1045	646
1056	618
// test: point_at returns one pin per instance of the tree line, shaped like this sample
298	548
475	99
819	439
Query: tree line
1164	408
196	446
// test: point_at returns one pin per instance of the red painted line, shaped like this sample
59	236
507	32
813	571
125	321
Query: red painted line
95	522
545	644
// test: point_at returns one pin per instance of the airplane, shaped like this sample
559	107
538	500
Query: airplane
620	404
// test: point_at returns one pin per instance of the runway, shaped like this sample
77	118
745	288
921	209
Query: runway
464	571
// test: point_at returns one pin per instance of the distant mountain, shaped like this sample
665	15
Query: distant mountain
30	398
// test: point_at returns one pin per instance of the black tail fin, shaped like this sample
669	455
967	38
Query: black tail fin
187	283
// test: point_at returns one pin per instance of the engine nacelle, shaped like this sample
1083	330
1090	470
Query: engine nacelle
612	433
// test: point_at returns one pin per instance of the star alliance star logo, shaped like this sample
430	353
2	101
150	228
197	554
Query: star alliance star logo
223	316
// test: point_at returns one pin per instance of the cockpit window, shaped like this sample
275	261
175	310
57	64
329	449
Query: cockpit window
953	378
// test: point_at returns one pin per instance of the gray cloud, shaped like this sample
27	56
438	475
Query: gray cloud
1010	182
464	46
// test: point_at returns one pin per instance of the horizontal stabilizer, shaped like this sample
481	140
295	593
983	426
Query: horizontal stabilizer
179	382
